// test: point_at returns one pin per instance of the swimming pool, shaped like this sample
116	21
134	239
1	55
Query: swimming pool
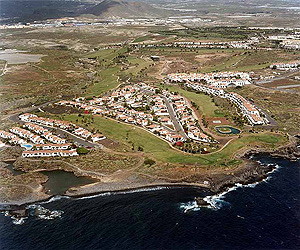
27	146
227	130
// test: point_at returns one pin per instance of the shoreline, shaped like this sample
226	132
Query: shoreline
19	211
85	192
251	172
15	206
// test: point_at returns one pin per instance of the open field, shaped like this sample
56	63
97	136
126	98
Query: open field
115	67
75	38
106	56
209	60
48	79
282	106
137	64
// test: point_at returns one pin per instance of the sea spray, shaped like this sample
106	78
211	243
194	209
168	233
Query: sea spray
18	221
36	211
15	219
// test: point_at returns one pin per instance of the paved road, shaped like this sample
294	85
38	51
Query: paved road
281	77
171	112
272	122
174	118
288	86
260	83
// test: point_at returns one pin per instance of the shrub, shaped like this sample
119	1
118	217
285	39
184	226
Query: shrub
149	162
82	150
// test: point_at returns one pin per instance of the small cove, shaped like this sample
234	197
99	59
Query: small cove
60	181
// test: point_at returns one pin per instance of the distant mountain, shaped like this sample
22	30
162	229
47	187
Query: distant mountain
30	10
124	9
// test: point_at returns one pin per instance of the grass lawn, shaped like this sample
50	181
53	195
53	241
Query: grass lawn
109	80
161	151
107	55
137	64
143	38
108	75
205	103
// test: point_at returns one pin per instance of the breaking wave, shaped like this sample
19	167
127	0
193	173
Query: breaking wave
15	220
55	198
189	206
43	213
138	190
36	211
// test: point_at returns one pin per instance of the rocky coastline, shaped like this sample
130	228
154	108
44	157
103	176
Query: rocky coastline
249	172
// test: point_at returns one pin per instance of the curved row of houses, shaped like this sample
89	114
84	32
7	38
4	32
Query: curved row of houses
31	119
214	79
247	108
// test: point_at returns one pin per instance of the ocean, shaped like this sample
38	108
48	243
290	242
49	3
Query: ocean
265	215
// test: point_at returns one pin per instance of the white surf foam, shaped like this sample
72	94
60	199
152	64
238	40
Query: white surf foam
139	190
189	206
55	198
15	220
43	213
18	221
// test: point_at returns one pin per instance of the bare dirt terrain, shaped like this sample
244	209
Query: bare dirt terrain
210	59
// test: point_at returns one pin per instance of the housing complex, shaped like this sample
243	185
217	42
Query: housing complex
218	79
286	66
287	41
158	111
163	113
241	44
65	125
42	142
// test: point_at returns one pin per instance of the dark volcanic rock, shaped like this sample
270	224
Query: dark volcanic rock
251	172
201	202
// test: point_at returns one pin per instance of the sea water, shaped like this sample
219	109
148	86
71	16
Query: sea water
263	215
